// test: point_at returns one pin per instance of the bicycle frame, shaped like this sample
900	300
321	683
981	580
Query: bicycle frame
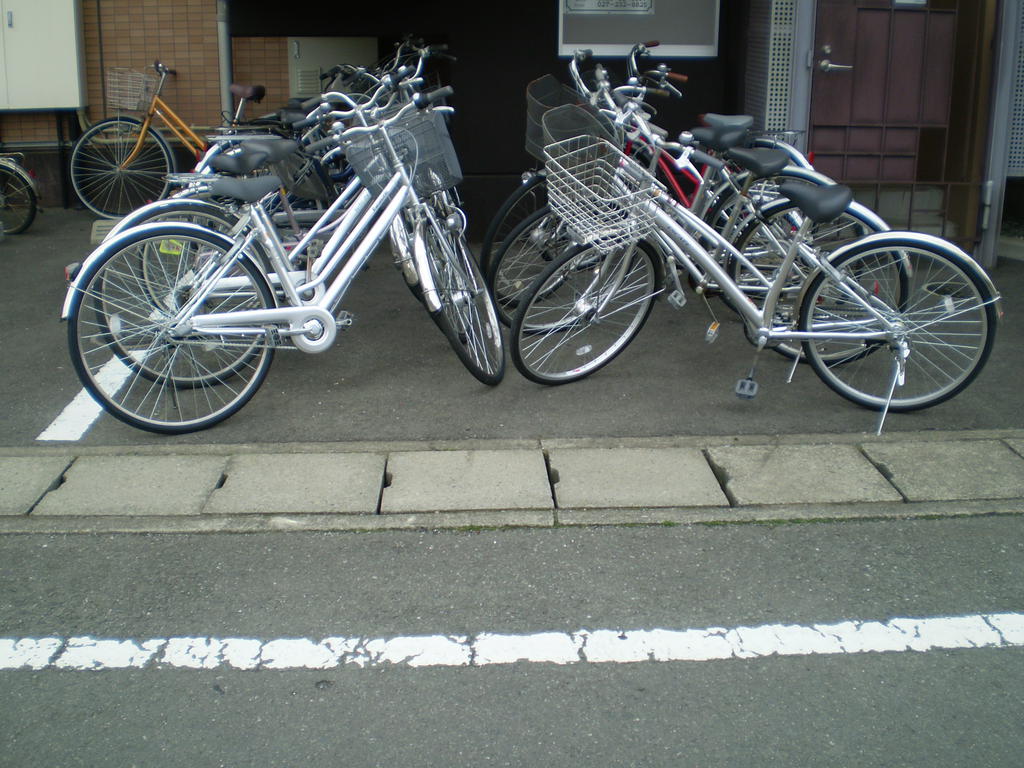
673	222
159	108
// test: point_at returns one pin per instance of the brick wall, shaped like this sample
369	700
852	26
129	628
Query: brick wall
262	61
135	33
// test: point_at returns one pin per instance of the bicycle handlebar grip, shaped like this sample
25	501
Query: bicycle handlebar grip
423	100
402	72
661	92
678	77
652	44
705	159
316	146
312	119
309	103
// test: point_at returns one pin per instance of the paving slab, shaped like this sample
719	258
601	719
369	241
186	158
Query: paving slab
24	480
952	471
436	481
616	478
135	485
297	483
800	474
1016	445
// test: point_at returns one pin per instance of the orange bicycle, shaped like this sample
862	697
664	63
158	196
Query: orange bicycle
122	162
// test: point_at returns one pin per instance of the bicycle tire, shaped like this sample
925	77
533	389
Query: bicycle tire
119	331
944	308
537	241
583	310
18	200
103	186
467	316
530	195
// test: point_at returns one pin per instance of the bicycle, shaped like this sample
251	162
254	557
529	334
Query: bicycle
19	199
172	327
893	321
122	162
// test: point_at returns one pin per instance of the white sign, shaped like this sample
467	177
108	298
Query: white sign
609	6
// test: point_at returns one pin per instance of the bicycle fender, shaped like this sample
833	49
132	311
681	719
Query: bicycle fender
897	239
18	170
115	244
194	204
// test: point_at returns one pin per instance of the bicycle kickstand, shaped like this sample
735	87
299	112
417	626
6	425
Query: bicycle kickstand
899	377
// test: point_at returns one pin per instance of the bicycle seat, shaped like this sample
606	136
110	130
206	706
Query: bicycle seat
761	162
818	203
248	92
719	139
728	121
276	149
245	190
238	164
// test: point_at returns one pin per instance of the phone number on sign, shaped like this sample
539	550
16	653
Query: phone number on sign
610	6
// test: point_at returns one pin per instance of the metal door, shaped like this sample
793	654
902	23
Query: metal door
899	105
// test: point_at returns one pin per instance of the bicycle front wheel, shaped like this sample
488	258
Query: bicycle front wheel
107	178
123	347
467	317
781	220
939	310
18	201
582	311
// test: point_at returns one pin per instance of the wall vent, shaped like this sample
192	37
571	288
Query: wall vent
1015	164
770	63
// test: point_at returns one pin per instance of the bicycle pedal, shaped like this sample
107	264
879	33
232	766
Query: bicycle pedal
711	335
676	299
344	320
746	389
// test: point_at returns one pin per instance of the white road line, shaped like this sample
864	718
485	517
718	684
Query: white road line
75	420
599	646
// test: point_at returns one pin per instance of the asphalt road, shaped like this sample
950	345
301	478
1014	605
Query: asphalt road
937	708
392	376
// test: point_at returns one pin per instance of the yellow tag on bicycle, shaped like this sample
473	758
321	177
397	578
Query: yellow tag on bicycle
171	247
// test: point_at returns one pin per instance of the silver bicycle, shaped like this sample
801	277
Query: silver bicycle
892	321
172	326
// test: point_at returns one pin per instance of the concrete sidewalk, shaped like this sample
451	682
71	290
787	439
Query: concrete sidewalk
248	488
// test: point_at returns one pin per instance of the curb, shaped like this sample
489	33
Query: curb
752	478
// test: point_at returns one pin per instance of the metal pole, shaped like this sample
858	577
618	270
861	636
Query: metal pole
224	55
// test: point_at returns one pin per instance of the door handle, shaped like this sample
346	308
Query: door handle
827	66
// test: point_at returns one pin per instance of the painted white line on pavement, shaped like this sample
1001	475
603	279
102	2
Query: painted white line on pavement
75	420
600	646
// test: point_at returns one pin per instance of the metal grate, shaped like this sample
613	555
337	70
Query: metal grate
770	44
1015	165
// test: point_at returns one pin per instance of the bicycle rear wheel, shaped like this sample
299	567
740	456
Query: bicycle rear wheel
121	340
528	197
943	316
108	185
18	201
467	317
582	311
536	242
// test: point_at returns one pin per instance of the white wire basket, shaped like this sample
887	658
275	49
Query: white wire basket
129	90
599	193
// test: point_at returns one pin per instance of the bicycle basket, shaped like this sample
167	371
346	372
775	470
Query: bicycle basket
571	120
598	192
129	90
422	142
543	94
